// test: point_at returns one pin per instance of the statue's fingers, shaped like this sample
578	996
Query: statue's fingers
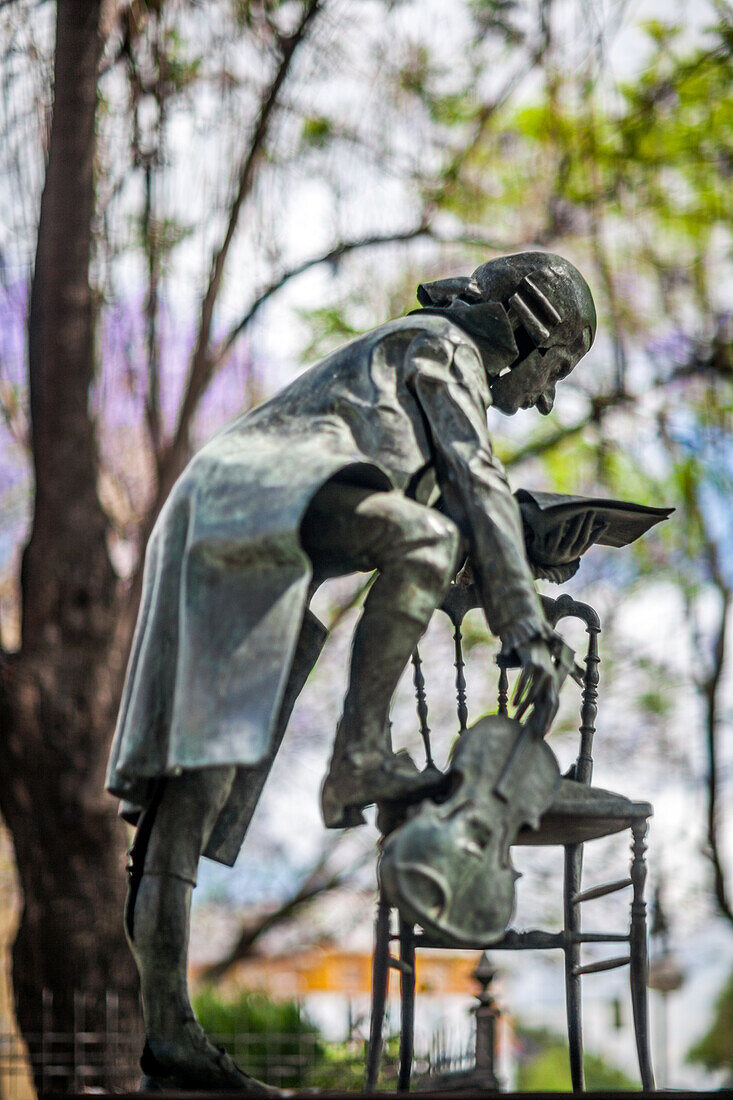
584	536
570	531
521	687
581	536
599	528
556	539
523	698
539	684
522	709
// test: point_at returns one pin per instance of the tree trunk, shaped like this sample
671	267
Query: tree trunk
70	952
58	694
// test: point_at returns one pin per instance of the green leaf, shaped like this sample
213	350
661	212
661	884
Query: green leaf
316	131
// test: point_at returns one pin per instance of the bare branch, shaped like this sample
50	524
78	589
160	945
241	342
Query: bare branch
599	405
200	367
317	883
603	264
708	686
205	361
484	115
152	391
710	691
545	443
333	255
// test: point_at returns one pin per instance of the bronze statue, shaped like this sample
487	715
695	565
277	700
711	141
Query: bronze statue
377	458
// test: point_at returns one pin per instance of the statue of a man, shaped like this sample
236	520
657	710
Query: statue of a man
377	458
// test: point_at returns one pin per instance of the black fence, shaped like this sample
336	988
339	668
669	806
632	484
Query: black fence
88	1061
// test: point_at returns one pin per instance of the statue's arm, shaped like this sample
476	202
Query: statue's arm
452	392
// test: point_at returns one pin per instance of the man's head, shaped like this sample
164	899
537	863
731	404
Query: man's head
550	308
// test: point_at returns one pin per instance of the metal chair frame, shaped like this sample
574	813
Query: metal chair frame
572	937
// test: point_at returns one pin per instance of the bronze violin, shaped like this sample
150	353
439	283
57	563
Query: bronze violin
447	866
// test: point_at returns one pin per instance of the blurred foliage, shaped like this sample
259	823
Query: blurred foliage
329	328
277	1033
543	1065
715	1049
343	1066
275	1042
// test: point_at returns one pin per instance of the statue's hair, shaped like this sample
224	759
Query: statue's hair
542	286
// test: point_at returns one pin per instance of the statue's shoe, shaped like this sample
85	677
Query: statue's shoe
195	1066
353	783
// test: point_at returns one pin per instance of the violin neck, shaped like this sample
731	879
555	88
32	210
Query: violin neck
527	736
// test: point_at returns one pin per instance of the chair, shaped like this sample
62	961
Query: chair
575	817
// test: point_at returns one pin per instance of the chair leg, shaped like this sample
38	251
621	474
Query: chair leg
407	996
380	978
638	955
573	871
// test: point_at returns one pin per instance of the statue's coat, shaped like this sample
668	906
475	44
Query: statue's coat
226	580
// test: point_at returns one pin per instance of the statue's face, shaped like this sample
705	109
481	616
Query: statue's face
530	381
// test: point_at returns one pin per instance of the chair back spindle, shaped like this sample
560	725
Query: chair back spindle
459	663
422	706
561	608
567	608
589	708
503	695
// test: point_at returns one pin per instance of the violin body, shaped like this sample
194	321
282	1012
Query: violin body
447	868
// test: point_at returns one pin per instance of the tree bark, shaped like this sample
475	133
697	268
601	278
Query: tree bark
57	695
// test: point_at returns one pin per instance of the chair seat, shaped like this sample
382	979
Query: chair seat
579	813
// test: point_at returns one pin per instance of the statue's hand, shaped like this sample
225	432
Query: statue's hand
569	540
537	686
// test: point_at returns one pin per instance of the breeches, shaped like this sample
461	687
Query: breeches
346	529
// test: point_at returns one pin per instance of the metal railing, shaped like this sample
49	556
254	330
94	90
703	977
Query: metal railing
89	1061
107	1059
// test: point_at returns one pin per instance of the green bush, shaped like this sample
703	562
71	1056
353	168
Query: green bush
715	1049
272	1040
343	1066
544	1066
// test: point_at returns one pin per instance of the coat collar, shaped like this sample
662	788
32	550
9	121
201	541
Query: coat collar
488	326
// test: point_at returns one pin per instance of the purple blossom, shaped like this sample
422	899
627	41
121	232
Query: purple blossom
672	348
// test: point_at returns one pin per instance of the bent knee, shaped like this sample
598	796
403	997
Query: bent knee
184	818
426	539
438	548
431	528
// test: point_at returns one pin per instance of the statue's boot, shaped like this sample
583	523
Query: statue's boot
190	1062
177	1053
164	860
356	780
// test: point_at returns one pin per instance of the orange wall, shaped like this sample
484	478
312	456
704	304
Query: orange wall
335	971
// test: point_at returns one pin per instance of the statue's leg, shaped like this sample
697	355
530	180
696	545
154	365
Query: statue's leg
414	549
173	832
171	835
